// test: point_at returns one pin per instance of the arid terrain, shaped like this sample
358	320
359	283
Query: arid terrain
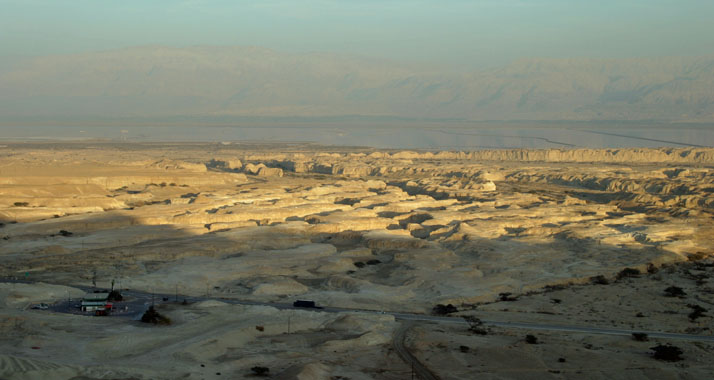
577	237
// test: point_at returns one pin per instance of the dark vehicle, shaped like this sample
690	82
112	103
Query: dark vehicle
100	313
306	304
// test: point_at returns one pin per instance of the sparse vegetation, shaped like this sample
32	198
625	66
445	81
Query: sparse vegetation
531	339
21	204
359	264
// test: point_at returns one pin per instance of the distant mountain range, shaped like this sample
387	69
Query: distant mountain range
227	84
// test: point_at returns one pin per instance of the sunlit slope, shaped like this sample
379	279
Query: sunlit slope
227	83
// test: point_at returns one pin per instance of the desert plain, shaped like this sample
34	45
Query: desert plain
578	237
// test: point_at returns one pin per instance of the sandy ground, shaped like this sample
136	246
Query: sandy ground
399	231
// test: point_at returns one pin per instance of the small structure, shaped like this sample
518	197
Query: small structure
96	302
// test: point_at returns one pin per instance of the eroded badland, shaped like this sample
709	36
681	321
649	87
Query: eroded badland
354	228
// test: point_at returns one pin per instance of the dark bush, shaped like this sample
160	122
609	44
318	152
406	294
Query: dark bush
359	264
652	269
65	233
599	280
667	353
464	349
531	339
260	371
628	272
640	337
475	325
444	309
506	297
373	262
697	312
20	204
674	291
114	295
153	316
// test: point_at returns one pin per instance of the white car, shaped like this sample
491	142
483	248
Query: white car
41	306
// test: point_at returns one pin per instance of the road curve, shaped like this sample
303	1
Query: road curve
398	343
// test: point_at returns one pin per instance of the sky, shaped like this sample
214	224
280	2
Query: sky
467	33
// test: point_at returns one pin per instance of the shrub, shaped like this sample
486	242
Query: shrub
697	312
359	264
674	291
20	204
65	233
506	297
628	272
444	309
475	325
640	337
667	353
260	371
464	349
114	295
551	288
531	339
153	316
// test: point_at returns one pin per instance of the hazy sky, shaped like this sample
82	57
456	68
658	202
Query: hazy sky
460	32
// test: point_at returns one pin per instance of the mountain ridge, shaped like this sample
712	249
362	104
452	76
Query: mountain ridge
151	82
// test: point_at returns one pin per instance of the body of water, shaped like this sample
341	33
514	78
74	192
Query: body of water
481	136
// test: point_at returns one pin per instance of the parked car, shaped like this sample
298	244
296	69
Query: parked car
41	306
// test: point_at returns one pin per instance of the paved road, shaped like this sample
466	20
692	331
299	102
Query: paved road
140	301
398	343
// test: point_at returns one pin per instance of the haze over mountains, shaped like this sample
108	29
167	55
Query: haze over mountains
227	84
